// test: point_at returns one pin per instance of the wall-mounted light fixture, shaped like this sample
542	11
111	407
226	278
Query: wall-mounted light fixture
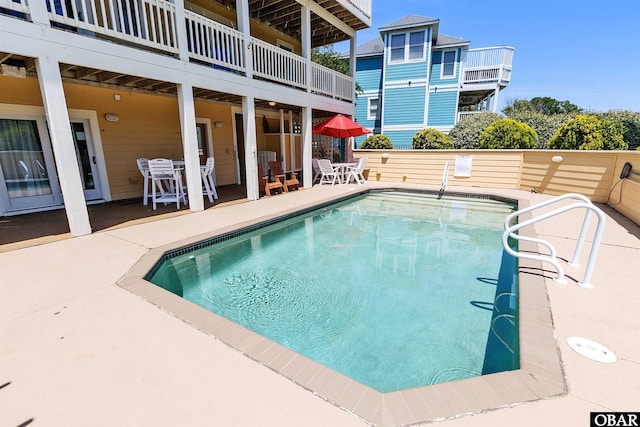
111	117
385	155
217	124
557	159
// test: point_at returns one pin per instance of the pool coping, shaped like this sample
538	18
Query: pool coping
540	375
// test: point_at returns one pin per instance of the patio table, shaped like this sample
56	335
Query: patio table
342	169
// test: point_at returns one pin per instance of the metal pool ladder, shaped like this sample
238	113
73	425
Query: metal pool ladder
583	203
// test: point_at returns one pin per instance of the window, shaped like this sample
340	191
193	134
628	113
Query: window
397	47
407	47
373	109
416	45
448	64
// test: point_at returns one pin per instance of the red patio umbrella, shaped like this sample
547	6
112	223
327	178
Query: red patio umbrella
340	127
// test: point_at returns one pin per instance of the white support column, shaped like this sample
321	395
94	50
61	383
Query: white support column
190	146
250	147
495	99
38	12
305	36
284	155
244	26
352	64
183	47
55	106
307	169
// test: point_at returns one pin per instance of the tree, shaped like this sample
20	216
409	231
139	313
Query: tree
328	57
544	125
588	132
630	120
543	105
508	133
466	133
431	139
376	142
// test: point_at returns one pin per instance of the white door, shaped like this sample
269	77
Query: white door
86	156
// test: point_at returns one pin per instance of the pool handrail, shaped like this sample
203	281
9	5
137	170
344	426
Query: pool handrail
552	259
445	177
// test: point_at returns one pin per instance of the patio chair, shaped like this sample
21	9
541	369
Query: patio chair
166	183
316	170
329	173
209	180
355	172
143	167
265	185
276	170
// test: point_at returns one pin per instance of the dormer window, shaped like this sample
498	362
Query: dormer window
448	69
407	47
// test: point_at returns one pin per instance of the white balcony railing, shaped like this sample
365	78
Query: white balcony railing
273	63
153	24
149	23
15	5
363	5
329	82
488	65
214	43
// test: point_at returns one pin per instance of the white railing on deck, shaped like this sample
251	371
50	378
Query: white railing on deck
18	6
152	23
363	5
214	43
147	22
489	57
274	63
330	82
484	65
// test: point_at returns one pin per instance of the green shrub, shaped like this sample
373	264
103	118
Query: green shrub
507	133
588	132
431	139
545	125
466	133
376	142
631	122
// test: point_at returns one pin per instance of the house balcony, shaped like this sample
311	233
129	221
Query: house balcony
485	72
490	65
152	25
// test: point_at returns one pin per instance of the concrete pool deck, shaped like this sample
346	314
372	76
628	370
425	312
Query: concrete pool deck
77	349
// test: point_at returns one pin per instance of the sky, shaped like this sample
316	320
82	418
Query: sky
583	51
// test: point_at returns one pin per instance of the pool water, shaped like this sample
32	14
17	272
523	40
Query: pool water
395	290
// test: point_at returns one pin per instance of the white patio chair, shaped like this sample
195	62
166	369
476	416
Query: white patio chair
316	170
329	173
208	173
166	183
355	172
143	167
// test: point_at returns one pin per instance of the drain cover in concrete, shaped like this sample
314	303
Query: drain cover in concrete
592	350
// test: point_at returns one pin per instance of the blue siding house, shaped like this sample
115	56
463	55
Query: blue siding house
413	77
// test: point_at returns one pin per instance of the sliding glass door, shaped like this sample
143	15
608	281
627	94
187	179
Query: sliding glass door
26	163
28	176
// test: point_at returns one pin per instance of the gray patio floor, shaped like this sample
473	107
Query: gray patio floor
78	350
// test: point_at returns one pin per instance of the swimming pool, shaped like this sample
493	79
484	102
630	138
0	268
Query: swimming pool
372	287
